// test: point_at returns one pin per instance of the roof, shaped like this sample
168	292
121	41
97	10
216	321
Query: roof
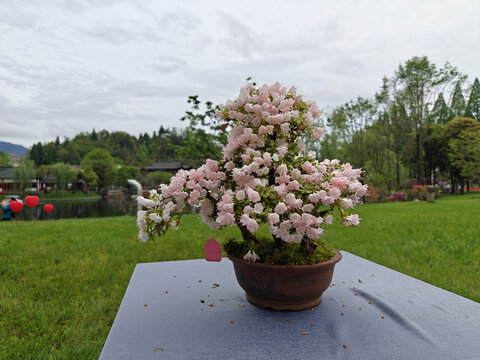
166	166
6	172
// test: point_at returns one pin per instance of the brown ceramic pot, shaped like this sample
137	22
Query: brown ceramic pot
283	287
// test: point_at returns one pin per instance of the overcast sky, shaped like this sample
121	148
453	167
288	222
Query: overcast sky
71	66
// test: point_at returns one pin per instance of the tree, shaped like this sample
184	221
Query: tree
435	150
350	120
43	172
396	131
330	146
198	146
413	87
465	152
155	178
473	106
206	119
264	168
36	153
126	172
24	174
64	174
5	159
50	152
457	105
90	177
462	136
440	114
102	164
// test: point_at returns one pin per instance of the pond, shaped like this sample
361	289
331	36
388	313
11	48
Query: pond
80	208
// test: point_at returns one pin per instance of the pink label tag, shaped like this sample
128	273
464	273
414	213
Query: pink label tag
213	250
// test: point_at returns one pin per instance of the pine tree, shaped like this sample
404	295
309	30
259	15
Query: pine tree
458	105
440	113
473	107
36	153
94	135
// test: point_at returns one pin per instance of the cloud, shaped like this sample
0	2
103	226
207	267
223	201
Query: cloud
67	67
241	39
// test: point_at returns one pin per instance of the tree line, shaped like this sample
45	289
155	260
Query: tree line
164	145
103	158
422	124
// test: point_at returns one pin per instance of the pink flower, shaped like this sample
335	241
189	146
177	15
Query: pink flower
252	257
273	218
334	193
248	210
290	199
318	133
295	173
282	169
314	233
285	128
340	182
281	190
253	195
282	150
346	203
240	194
249	223
307	208
225	219
352	220
308	167
258	208
282	179
293	185
280	208
229	166
327	201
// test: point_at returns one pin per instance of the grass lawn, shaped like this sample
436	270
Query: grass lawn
62	281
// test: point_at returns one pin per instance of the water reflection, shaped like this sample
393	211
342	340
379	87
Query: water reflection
82	208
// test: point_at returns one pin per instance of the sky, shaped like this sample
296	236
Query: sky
72	66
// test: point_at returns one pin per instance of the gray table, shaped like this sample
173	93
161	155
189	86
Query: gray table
196	310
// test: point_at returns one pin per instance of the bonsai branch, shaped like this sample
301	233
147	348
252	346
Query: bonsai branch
246	234
308	245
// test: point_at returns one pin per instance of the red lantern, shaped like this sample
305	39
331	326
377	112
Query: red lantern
16	206
31	201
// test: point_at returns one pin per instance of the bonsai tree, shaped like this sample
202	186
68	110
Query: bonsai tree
265	177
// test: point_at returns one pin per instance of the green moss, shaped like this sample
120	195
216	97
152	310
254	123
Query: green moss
287	254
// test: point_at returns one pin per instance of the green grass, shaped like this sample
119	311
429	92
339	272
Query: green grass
62	281
436	242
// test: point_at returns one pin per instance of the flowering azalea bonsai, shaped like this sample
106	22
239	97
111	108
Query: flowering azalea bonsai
265	181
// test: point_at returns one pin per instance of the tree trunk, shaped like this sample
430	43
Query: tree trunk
452	180
247	235
397	168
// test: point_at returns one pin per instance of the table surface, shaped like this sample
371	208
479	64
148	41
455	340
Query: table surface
195	309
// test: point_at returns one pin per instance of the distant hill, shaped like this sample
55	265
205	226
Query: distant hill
10	148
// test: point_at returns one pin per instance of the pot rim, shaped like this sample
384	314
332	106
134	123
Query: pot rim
332	261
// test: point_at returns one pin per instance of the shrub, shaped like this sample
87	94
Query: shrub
377	194
397	196
418	192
